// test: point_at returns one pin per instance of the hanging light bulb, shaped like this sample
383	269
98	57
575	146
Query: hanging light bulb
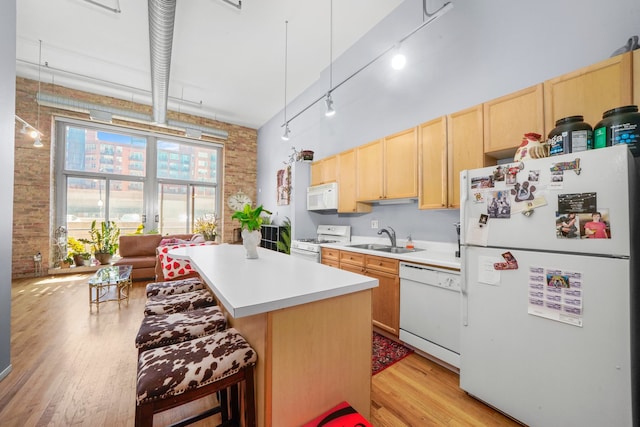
285	136
34	134
399	60
330	110
37	143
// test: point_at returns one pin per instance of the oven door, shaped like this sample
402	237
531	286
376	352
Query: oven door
308	255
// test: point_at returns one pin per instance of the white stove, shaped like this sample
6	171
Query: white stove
309	248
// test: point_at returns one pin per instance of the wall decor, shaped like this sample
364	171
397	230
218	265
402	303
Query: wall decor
284	186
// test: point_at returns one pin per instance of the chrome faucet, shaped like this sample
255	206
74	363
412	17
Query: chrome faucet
392	235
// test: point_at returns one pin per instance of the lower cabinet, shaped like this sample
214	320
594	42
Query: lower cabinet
386	297
330	257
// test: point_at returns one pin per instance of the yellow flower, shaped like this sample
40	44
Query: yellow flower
207	226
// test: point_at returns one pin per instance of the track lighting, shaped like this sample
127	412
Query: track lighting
330	110
32	131
285	136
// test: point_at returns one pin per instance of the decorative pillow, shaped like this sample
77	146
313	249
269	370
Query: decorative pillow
173	267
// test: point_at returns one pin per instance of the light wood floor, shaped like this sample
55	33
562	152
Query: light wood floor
73	367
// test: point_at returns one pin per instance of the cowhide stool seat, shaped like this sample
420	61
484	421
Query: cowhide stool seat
165	329
174	287
167	304
176	374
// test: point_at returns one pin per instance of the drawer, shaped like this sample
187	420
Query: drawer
352	258
388	265
330	253
331	262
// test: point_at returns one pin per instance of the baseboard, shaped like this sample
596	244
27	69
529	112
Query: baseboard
5	372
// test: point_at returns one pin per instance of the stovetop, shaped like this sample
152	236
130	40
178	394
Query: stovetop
315	240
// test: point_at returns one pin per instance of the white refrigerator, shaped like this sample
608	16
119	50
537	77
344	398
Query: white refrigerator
549	265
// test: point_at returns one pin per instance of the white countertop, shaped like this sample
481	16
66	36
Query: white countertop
273	281
436	254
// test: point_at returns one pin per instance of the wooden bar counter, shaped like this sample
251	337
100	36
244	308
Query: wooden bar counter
310	325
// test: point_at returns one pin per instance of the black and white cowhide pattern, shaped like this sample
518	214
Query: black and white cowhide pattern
168	304
171	370
174	287
165	329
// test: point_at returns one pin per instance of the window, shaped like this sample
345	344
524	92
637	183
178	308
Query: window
106	173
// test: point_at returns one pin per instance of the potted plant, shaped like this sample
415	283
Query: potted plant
284	243
66	262
207	226
250	222
104	240
78	251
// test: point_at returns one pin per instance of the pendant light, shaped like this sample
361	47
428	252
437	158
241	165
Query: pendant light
285	136
329	102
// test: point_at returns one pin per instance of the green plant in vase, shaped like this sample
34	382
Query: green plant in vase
103	240
250	222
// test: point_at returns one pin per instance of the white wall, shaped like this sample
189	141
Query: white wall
478	51
7	132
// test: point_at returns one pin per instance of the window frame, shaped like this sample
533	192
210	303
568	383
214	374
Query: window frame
151	182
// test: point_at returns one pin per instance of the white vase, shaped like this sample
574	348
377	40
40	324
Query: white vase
251	241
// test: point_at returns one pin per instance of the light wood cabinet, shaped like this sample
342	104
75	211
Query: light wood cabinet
388	168
324	171
347	179
508	118
636	77
369	171
465	148
401	165
589	91
432	164
386	297
330	257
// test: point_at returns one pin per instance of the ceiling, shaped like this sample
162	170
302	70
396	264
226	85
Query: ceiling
226	63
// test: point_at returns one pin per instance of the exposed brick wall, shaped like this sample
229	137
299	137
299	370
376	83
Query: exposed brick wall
34	200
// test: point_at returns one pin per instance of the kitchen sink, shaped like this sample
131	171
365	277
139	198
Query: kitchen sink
397	250
370	246
384	248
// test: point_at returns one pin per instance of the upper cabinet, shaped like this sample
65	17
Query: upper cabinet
347	184
432	168
508	118
589	91
401	165
636	77
465	147
369	171
388	168
324	171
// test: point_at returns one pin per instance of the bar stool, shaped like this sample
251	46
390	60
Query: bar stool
167	304
176	374
174	287
165	329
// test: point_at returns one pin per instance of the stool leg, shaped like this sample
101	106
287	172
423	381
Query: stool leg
249	398
224	405
235	404
144	415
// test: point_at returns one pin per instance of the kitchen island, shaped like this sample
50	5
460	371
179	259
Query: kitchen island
310	325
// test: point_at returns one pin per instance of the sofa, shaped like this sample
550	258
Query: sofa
139	251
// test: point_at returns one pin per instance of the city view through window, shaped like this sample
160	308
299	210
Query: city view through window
135	180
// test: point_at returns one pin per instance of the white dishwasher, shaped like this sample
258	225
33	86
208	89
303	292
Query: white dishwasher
430	311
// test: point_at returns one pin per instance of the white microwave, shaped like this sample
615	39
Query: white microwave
322	197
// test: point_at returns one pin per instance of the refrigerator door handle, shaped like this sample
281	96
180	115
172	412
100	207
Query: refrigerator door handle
464	192
464	288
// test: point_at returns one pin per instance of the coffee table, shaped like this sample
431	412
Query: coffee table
112	283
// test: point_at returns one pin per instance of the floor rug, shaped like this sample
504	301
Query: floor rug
386	352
